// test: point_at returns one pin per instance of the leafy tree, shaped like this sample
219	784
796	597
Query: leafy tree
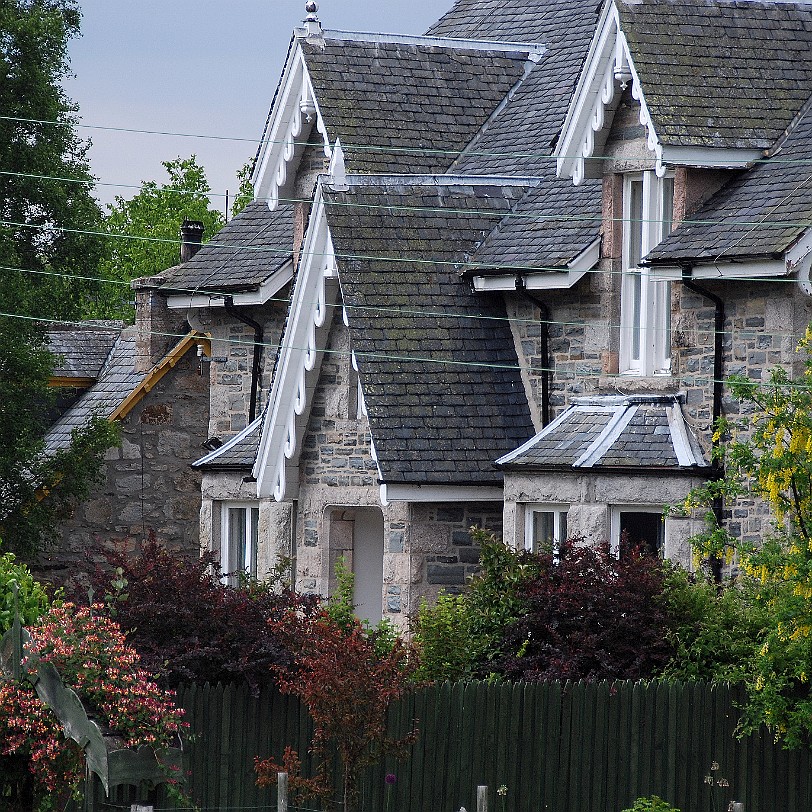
146	228
715	630
49	253
48	216
245	194
768	455
590	615
188	626
32	601
347	688
38	490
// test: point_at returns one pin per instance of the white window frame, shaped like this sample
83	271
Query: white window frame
559	512
231	562
614	523
653	319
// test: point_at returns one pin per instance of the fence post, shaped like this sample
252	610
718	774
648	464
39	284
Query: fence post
281	792
481	799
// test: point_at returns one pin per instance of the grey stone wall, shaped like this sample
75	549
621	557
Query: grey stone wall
232	360
148	483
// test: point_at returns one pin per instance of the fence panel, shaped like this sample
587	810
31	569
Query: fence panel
572	747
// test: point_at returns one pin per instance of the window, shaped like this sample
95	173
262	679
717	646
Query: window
645	344
639	525
545	527
239	539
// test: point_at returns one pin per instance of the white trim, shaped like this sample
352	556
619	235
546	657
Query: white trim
686	457
294	112
434	42
710	157
270	287
544	280
753	270
611	431
250	564
396	492
303	342
558	510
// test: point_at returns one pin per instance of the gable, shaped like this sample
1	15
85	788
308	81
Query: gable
380	103
716	82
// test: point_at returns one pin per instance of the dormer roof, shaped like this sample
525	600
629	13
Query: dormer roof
717	81
640	432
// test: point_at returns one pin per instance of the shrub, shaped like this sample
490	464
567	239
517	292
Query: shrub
188	626
590	615
651	803
31	598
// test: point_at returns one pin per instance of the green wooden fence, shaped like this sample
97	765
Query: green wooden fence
572	747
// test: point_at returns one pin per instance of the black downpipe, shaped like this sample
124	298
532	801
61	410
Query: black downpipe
259	337
547	370
718	383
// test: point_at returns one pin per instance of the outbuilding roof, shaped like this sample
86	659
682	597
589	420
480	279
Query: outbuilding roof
82	349
245	253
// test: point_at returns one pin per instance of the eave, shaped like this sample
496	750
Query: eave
256	296
562	279
428	492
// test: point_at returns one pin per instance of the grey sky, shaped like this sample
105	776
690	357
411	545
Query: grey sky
207	67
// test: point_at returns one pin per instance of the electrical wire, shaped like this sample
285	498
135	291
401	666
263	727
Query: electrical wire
561	370
346	147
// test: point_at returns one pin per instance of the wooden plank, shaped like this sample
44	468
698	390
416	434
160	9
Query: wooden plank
614	747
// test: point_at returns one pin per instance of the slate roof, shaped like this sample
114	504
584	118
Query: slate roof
246	252
638	432
547	229
422	103
116	380
81	350
718	73
437	363
557	221
758	214
239	452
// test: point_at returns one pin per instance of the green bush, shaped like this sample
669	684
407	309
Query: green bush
31	598
651	803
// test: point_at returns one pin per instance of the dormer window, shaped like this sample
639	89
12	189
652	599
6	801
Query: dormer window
645	339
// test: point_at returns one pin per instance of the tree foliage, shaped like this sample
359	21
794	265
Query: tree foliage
146	228
767	454
347	687
245	193
32	600
187	625
50	221
37	491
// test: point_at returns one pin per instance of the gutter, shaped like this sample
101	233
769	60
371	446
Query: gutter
259	336
718	372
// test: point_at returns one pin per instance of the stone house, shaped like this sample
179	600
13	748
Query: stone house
157	395
496	276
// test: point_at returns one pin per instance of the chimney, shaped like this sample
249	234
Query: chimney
191	239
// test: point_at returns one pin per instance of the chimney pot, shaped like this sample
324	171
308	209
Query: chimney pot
191	239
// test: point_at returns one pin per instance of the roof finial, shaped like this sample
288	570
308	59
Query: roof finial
313	30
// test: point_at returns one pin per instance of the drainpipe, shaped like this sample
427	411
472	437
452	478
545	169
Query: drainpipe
718	372
547	371
259	335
